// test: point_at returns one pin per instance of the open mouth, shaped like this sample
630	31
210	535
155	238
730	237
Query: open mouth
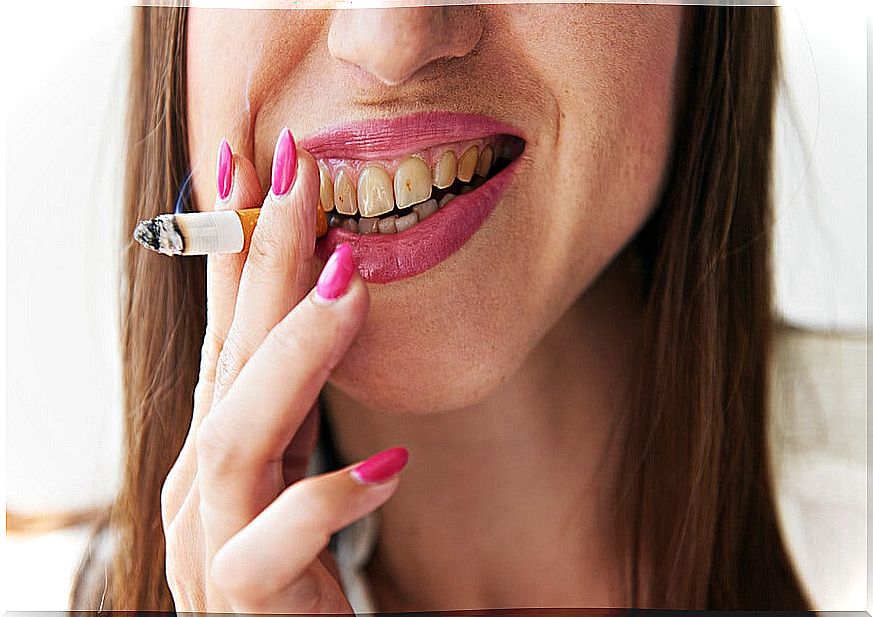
391	197
405	193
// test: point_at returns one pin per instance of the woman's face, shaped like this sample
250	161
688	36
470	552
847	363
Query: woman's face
379	95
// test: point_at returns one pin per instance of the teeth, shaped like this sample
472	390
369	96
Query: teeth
411	182
326	188
426	209
485	160
344	194
368	226
406	221
388	225
446	199
467	164
375	195
445	169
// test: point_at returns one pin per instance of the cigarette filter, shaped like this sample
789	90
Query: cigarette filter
202	233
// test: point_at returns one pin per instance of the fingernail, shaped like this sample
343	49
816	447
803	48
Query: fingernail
284	163
382	466
224	174
334	279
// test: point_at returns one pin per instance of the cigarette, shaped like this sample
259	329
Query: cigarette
204	233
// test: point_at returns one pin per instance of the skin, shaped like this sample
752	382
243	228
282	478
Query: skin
506	497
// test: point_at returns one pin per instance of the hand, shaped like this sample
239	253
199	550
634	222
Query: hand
245	530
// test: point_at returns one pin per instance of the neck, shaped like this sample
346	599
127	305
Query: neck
509	502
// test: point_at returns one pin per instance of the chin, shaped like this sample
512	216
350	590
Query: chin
409	373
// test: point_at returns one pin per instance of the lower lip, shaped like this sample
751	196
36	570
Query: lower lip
383	258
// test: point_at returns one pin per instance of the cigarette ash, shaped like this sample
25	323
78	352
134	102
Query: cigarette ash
160	234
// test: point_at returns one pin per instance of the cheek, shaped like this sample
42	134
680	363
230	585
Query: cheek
213	97
234	60
613	149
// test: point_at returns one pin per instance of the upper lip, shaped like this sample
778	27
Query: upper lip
396	137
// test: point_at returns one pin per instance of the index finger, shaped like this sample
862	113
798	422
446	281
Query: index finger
238	188
242	442
279	267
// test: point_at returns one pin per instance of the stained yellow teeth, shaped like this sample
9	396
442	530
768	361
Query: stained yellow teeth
445	170
483	166
326	187
412	182
467	164
393	196
375	194
344	194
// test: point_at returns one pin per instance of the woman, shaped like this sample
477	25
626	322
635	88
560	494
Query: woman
561	374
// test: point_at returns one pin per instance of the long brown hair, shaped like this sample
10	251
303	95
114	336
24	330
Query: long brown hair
698	501
697	510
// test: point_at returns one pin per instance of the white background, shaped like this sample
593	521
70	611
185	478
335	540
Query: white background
64	84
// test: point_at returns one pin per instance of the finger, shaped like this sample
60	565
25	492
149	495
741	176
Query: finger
278	269
237	187
243	439
222	277
265	560
296	457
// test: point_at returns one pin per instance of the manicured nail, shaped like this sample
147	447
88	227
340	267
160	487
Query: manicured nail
382	466
334	279
224	174
284	163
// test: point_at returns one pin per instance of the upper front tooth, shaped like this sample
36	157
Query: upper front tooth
326	189
445	169
485	159
411	182
344	194
375	195
467	164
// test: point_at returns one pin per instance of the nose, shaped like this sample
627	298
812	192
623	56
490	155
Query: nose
393	44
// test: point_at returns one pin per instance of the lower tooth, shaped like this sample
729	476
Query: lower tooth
466	189
406	221
426	209
367	225
351	225
446	199
335	220
388	225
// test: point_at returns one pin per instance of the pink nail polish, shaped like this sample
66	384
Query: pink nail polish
284	163
224	174
382	466
334	279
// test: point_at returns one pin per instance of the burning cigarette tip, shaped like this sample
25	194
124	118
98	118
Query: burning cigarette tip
159	234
